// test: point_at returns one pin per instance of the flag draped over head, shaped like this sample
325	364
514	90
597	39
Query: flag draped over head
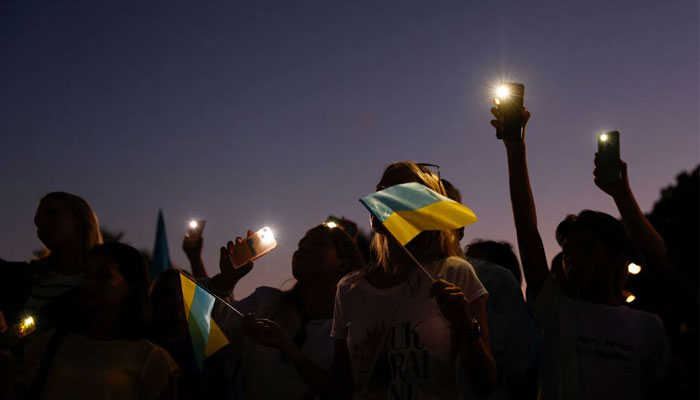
407	209
160	259
206	335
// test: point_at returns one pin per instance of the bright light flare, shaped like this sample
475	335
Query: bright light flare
266	236
634	269
331	224
603	137
630	298
502	92
194	224
27	325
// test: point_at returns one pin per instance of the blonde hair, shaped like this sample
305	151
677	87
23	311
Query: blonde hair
434	245
86	220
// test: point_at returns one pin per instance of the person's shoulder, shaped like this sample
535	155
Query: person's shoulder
649	319
265	294
453	267
350	280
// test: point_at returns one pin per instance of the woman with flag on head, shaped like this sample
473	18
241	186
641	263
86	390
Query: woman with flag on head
409	325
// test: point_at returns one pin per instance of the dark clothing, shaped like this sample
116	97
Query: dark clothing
15	287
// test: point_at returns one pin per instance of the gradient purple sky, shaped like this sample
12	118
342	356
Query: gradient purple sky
252	113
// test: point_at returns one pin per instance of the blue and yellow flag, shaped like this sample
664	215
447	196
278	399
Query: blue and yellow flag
206	335
410	208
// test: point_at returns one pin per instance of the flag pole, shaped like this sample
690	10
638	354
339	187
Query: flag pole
419	264
415	260
212	293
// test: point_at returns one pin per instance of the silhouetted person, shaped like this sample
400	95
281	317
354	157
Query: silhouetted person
515	336
68	228
594	346
499	253
106	356
287	325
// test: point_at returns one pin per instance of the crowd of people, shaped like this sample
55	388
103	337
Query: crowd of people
356	324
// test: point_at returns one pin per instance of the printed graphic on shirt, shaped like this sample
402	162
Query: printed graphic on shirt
402	367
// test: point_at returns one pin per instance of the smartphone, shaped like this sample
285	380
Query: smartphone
609	156
510	102
253	247
196	227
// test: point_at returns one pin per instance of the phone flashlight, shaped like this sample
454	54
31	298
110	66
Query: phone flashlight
26	326
502	92
603	137
634	269
194	224
331	224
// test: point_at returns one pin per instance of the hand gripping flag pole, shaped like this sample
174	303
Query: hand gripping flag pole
408	209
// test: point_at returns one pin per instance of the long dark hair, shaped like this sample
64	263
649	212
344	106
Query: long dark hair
134	268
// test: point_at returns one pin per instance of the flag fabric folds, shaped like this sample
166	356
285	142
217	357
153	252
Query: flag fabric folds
160	259
407	209
206	335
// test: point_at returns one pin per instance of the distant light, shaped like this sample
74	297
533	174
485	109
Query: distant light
603	137
634	269
630	298
502	92
193	224
331	224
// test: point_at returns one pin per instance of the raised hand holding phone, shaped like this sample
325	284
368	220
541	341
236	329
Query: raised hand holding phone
608	165
236	259
510	120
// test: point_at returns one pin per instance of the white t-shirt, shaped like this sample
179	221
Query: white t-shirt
263	372
594	351
418	358
84	368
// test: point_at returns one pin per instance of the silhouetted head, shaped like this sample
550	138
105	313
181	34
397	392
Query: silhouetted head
325	253
116	282
499	253
166	303
66	221
453	194
429	245
595	249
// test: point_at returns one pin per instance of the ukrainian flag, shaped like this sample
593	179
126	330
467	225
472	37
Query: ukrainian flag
206	335
410	208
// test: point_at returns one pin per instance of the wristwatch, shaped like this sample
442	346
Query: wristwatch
472	333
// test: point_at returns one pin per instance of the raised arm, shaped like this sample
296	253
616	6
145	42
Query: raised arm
225	281
645	237
530	245
192	246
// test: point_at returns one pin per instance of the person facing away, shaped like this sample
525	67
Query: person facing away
514	335
68	228
106	355
285	325
594	346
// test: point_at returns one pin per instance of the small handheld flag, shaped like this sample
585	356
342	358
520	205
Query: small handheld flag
407	209
206	335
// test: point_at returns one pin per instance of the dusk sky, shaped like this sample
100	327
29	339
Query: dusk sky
279	113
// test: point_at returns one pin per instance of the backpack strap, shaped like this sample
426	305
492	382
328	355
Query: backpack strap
42	375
